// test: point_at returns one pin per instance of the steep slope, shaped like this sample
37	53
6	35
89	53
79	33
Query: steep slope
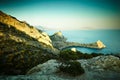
26	28
22	46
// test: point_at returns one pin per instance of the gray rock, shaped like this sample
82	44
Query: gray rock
94	69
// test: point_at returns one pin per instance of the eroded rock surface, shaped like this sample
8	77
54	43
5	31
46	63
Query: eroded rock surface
97	68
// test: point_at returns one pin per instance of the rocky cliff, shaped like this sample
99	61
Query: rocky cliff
59	41
40	36
22	46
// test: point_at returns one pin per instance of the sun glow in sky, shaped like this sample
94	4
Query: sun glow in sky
66	14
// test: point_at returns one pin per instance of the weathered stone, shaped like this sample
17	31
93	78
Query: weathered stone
92	69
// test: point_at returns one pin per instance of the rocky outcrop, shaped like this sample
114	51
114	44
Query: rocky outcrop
59	41
102	63
58	37
97	68
48	67
22	46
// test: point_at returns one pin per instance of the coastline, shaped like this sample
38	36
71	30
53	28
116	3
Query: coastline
59	41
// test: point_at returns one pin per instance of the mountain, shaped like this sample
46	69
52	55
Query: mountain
22	46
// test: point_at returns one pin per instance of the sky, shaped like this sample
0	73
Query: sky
65	14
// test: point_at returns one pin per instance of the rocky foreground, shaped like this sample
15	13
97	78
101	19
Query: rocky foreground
97	68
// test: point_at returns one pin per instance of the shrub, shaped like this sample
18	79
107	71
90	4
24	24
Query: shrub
72	68
96	54
68	55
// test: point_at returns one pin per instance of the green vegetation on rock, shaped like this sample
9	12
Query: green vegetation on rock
71	55
68	55
72	68
70	65
18	58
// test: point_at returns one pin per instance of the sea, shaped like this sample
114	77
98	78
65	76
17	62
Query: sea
111	38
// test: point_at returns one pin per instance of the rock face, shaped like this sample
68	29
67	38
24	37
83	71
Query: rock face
48	67
22	46
59	41
102	63
97	68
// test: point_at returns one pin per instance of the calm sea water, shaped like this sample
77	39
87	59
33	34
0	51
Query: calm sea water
111	38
